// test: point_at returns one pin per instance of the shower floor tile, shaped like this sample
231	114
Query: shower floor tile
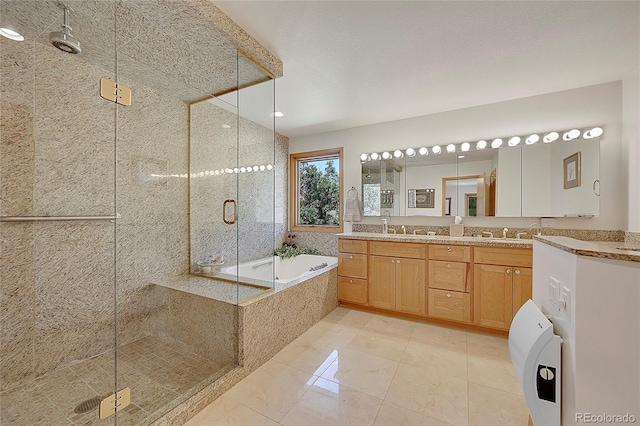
159	374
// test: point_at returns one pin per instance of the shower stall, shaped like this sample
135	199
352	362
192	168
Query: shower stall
136	138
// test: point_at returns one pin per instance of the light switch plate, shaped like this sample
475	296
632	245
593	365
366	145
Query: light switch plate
554	286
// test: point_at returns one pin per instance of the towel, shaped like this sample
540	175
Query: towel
352	207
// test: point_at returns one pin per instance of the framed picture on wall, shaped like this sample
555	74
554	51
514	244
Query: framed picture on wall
572	171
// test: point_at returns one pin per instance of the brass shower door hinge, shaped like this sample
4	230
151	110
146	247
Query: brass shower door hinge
112	91
114	403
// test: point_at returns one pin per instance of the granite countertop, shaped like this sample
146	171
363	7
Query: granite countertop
439	239
618	250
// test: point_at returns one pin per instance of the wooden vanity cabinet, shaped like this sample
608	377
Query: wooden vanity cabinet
449	283
352	271
397	276
502	284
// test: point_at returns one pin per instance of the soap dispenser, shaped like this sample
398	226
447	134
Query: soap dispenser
385	226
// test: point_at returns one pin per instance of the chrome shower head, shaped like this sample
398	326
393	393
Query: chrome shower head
63	40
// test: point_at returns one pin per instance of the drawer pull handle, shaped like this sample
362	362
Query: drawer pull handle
448	266
448	294
448	248
517	271
351	257
350	281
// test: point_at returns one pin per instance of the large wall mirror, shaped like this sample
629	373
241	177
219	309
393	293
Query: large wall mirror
559	178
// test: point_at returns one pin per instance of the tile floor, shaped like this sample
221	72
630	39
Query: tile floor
160	375
356	367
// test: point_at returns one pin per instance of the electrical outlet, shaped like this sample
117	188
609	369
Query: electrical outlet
546	222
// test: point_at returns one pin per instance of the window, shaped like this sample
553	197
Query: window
316	191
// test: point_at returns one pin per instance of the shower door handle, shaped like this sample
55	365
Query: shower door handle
235	212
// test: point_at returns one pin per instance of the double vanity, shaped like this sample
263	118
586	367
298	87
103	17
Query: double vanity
478	282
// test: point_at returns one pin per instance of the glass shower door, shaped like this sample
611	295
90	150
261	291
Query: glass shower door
57	232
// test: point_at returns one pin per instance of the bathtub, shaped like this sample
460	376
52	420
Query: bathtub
274	272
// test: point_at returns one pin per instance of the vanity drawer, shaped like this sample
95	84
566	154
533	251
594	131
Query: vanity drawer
352	246
352	265
448	275
451	305
352	290
503	256
410	250
452	253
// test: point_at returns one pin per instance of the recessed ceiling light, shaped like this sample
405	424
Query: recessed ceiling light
11	34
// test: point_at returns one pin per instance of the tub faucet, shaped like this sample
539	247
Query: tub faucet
504	232
404	230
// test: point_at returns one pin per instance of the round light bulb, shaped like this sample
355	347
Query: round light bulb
436	149
465	147
397	153
236	170
217	173
410	152
550	137
497	143
531	139
256	168
423	151
481	144
386	155
593	133
363	157
514	141
451	148
375	156
262	167
571	135
269	167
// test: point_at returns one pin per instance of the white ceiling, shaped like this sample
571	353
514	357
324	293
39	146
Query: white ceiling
353	63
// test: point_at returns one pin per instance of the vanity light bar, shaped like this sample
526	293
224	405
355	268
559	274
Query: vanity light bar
225	171
531	139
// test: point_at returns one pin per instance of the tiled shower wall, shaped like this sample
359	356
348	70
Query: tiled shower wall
258	207
57	150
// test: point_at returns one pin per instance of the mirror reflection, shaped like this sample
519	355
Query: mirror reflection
547	178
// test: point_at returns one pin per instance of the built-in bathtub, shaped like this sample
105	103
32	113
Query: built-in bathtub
277	273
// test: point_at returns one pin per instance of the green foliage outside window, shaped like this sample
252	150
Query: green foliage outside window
319	193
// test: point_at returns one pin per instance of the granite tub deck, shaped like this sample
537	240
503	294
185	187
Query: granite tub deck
616	250
267	321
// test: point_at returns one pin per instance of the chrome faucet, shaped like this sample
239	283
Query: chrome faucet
520	234
404	230
487	232
535	225
504	232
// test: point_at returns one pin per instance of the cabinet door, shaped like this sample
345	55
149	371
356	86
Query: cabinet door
492	298
382	292
522	287
410	286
